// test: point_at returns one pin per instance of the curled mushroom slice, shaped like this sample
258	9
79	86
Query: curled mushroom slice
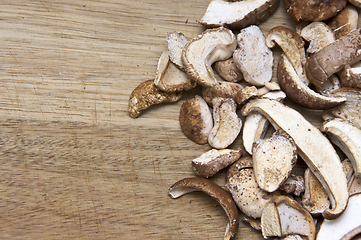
228	70
346	226
285	216
345	21
238	14
299	92
317	10
214	160
227	124
273	160
348	138
324	162
201	52
169	78
315	198
146	95
292	45
319	35
212	189
195	119
253	57
176	42
333	57
241	183
221	89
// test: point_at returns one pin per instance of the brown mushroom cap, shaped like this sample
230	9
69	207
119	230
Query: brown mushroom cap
212	189
317	10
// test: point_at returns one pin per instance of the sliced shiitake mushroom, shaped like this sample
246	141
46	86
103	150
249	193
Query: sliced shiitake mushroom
299	92
292	45
319	35
253	57
285	216
169	78
242	184
315	199
214	160
227	124
348	138
146	95
215	191
346	226
196	120
273	160
201	52
238	14
176	42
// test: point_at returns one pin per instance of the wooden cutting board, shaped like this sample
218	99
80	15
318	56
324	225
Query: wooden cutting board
74	165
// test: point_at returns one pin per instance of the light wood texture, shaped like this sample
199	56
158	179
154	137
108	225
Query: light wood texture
73	164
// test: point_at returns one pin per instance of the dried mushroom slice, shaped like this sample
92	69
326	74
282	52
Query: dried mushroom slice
348	138
333	57
324	162
285	216
345	227
273	160
319	35
146	95
270	221
299	92
350	110
253	57
221	89
214	160
195	119
315	199
245	191
292	46
317	10
212	189
169	78
345	21
227	124
201	52
238	14
176	42
228	70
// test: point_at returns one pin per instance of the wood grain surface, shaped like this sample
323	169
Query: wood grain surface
73	164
